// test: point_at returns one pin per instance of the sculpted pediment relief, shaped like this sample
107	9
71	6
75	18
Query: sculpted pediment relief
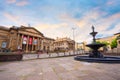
32	30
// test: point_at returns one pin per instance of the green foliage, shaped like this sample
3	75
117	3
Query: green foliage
104	42
98	42
113	43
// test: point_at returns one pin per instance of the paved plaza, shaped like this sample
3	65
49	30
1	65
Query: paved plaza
62	68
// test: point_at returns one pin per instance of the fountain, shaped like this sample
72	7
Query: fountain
95	46
96	55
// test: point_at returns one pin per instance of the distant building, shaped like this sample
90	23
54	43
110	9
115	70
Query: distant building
64	44
118	41
109	39
82	46
47	44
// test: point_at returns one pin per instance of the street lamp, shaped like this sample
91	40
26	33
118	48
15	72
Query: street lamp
73	33
73	39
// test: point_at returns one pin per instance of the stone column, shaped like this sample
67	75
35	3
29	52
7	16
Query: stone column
41	44
38	44
32	43
27	43
21	41
18	37
10	42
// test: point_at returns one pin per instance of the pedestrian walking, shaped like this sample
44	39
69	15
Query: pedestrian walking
38	53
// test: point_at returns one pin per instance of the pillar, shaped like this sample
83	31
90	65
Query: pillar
27	43
38	45
21	41
18	37
32	43
10	42
40	41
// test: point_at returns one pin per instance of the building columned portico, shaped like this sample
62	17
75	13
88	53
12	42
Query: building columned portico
28	42
25	38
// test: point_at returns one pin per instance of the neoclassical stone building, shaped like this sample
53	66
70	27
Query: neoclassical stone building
81	46
47	44
26	38
64	44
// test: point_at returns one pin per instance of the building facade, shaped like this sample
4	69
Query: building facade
109	39
26	38
118	41
64	44
47	44
4	37
81	46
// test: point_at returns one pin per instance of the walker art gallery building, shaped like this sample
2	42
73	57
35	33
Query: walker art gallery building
25	38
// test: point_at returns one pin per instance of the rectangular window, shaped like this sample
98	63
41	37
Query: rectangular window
4	44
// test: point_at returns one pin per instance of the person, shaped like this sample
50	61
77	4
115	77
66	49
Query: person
64	53
48	53
19	50
19	47
57	53
38	53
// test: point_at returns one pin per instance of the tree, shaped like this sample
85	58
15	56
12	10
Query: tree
113	43
103	42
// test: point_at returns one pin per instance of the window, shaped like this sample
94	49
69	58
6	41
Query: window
4	44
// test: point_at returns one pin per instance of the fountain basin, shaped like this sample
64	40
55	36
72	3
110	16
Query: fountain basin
105	59
95	45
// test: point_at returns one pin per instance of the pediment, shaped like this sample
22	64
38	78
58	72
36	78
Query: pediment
32	31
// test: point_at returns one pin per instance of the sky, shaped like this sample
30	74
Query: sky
57	18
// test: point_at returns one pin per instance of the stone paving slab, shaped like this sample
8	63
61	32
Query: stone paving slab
63	68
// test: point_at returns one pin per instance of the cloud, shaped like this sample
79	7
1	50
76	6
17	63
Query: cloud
22	3
43	26
94	17
82	24
52	30
11	17
111	2
58	19
10	1
18	2
88	19
85	20
104	23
